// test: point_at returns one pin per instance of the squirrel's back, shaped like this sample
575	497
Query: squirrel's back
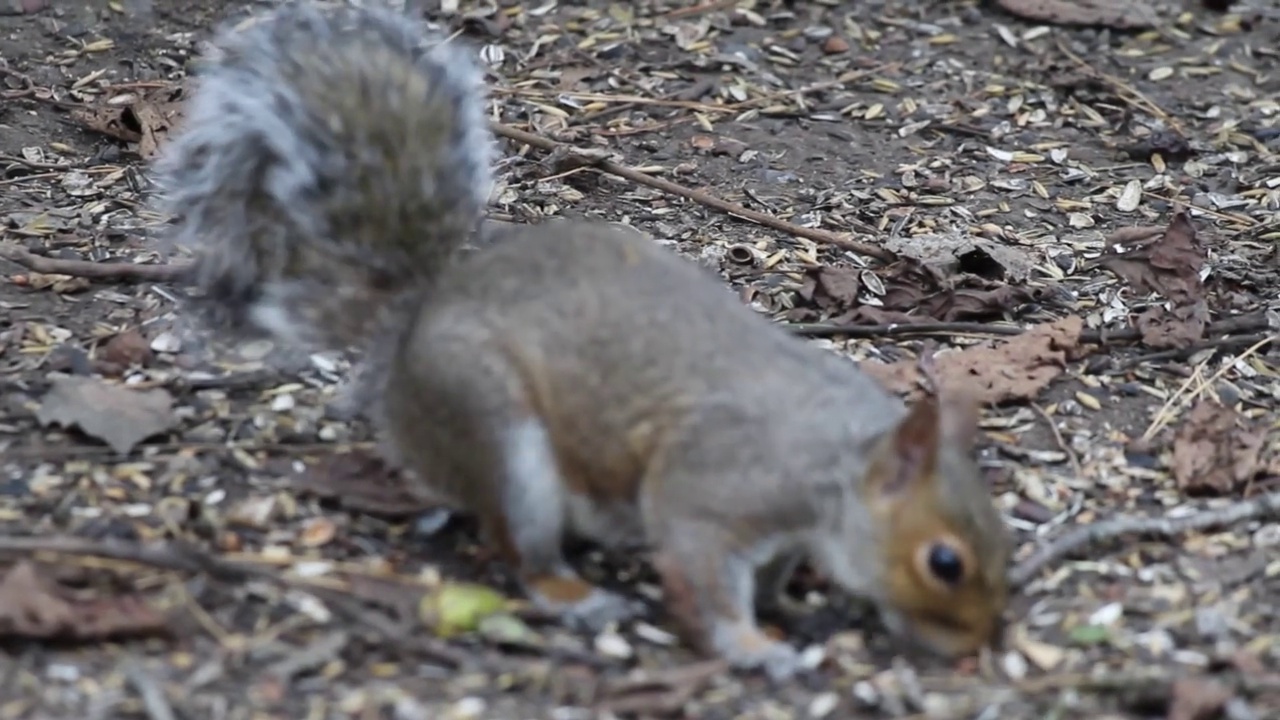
331	158
608	319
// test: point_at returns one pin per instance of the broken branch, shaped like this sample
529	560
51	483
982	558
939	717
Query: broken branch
118	271
1162	527
185	558
820	236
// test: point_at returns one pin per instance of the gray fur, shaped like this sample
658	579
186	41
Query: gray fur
331	158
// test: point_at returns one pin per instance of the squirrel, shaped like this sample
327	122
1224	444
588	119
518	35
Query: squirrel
569	378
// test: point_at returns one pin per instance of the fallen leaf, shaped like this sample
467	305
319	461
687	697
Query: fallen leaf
361	481
1118	14
839	285
127	348
912	291
112	413
956	253
1215	450
1197	698
1168	265
1090	634
147	118
1013	369
455	608
34	607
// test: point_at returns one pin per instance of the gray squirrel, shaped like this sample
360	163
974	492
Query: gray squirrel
568	378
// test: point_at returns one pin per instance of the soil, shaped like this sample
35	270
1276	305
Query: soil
225	478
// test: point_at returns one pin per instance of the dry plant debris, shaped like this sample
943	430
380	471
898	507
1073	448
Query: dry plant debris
1216	450
1168	264
1119	14
117	415
33	606
1015	369
901	179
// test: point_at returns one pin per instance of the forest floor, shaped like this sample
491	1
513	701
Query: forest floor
1082	220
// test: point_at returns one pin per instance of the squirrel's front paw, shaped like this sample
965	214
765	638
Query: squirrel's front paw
580	605
748	648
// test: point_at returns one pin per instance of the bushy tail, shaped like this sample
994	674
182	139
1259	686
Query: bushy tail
331	160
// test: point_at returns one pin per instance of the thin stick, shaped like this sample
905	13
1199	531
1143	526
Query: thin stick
1246	323
186	558
94	270
1062	443
1127	92
820	236
1163	418
1163	527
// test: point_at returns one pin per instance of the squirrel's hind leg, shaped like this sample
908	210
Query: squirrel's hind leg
458	413
530	526
709	585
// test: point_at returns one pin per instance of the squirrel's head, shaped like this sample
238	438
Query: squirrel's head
943	546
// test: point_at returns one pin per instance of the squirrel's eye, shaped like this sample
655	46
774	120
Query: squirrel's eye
945	563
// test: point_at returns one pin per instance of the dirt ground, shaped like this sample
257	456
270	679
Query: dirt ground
903	123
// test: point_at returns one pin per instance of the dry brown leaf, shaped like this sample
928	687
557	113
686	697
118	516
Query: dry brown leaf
1169	265
32	606
955	253
115	414
834	287
147	120
1015	369
1197	699
913	292
361	481
1215	450
1119	14
128	348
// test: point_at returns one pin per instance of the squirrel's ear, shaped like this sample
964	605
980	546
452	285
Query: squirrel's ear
908	452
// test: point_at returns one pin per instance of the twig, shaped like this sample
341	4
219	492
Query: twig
1155	683
184	558
153	697
699	196
1249	322
1057	438
35	165
1185	352
1166	410
1162	527
1127	92
94	270
822	330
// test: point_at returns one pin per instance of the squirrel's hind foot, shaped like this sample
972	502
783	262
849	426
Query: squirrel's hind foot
579	604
